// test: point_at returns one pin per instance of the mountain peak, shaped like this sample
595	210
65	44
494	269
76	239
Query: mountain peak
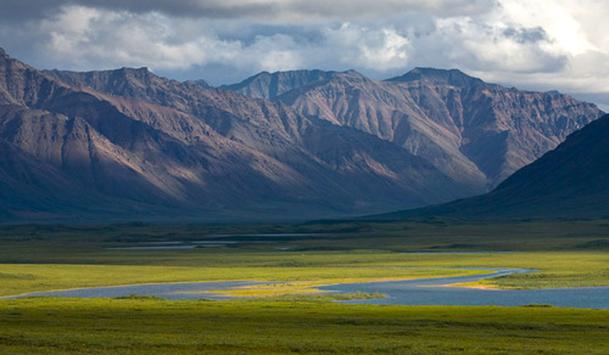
123	81
198	82
138	76
438	71
289	73
136	72
351	73
124	72
270	85
446	76
6	58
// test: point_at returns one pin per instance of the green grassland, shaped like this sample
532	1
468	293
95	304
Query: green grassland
135	326
289	315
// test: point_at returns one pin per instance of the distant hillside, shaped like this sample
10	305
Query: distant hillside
571	181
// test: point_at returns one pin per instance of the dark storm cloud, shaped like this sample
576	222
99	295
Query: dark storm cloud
276	10
526	35
18	10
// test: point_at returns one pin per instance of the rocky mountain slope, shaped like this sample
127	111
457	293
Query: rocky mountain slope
128	144
267	85
474	132
571	181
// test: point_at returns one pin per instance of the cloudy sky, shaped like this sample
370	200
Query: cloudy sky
540	44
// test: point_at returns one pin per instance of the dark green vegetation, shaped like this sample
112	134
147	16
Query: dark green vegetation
572	180
151	326
293	316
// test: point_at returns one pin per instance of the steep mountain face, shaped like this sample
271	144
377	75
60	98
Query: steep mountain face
200	82
474	132
570	181
267	85
128	144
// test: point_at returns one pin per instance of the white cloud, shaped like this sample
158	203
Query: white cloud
542	44
576	32
484	46
377	49
556	17
271	53
86	38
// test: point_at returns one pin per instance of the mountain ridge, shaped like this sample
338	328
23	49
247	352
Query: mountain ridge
136	145
474	132
451	76
571	181
126	143
266	85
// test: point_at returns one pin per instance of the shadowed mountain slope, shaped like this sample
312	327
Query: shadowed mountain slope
571	181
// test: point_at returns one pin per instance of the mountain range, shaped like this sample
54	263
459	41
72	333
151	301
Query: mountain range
476	133
128	144
571	181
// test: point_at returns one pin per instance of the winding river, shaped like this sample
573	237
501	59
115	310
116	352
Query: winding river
170	291
441	292
436	291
